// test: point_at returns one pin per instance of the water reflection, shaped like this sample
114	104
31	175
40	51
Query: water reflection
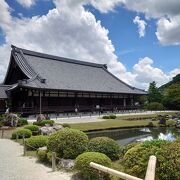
126	136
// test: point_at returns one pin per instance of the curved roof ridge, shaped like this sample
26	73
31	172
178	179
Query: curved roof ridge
57	58
23	64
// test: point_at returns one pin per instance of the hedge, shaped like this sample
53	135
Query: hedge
68	143
44	122
105	145
33	128
37	141
168	159
82	164
26	132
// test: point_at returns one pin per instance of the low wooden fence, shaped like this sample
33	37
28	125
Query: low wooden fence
150	173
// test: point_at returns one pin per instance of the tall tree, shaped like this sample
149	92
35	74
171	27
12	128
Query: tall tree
172	97
154	93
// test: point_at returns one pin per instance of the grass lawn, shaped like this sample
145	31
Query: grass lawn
112	123
119	122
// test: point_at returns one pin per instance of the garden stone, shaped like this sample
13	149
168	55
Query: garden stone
178	123
11	120
40	118
43	148
67	163
47	130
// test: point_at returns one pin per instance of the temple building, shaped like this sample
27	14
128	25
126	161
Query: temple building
41	83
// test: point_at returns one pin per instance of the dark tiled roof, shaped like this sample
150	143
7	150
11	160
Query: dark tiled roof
3	89
68	74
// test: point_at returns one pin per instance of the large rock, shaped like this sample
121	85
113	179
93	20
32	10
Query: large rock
47	130
178	123
11	120
67	163
41	117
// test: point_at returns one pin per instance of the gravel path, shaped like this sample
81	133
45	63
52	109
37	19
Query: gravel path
13	166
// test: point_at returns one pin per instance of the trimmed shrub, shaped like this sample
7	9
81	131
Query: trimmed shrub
106	146
26	132
155	106
82	164
22	122
42	156
129	146
68	143
37	141
44	122
171	123
150	124
105	117
112	116
168	159
33	128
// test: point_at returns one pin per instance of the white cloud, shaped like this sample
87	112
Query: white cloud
5	17
141	26
145	73
26	3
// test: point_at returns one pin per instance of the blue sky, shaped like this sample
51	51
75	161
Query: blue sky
160	53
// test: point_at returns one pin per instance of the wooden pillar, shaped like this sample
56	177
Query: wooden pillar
124	102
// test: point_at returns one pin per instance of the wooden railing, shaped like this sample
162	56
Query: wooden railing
150	173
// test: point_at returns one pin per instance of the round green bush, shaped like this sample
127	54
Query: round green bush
22	122
82	164
171	123
168	159
44	122
105	145
33	128
37	141
68	143
42	156
26	132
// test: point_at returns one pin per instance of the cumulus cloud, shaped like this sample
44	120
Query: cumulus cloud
167	15
26	3
145	73
141	26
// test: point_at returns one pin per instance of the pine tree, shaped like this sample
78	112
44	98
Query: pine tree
154	93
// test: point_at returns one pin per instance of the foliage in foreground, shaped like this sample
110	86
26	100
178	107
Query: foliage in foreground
68	143
106	146
168	159
112	116
37	141
26	132
83	161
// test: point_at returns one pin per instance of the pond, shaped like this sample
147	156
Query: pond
126	136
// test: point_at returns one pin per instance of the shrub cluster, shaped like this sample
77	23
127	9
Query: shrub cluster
106	146
37	141
112	116
68	143
33	128
44	122
171	123
26	132
168	159
82	164
22	122
44	156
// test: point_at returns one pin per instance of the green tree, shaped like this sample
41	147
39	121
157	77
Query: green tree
172	97
154	93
